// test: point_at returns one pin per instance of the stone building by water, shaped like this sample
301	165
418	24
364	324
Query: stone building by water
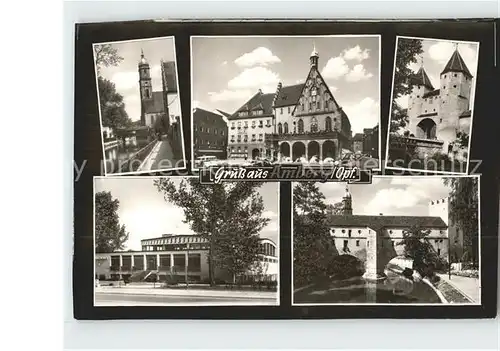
374	239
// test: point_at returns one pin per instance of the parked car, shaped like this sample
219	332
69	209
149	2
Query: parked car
97	283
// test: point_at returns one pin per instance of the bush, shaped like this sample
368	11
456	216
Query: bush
346	266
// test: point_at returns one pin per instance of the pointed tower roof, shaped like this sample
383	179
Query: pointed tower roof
457	64
314	53
421	78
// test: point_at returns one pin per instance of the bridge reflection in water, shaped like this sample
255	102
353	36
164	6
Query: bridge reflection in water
359	290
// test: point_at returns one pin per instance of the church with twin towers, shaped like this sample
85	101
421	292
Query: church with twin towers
441	113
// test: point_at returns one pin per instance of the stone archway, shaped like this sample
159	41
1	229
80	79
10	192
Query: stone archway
255	153
426	129
329	149
285	149
313	149
298	150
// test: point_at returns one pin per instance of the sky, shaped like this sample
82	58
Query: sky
146	214
227	71
398	195
126	74
436	55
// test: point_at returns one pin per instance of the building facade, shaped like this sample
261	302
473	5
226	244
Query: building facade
177	257
302	120
210	134
375	239
248	127
440	114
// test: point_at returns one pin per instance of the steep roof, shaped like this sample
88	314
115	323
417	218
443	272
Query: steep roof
377	222
259	100
209	115
155	105
288	95
457	64
465	114
431	93
225	114
170	76
421	78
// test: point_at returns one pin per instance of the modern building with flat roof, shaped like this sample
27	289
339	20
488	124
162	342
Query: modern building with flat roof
175	257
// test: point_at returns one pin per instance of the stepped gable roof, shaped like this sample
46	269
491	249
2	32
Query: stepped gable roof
465	114
258	101
170	76
289	95
378	222
155	105
421	78
457	64
431	93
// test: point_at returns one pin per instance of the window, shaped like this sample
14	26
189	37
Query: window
346	242
261	136
261	124
280	130
201	129
288	109
454	86
285	128
232	125
253	124
246	124
301	126
147	92
281	111
239	125
343	230
455	75
357	242
318	105
208	130
359	231
439	252
328	124
314	125
222	132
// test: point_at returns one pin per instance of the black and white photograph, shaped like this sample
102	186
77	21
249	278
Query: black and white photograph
262	100
400	240
432	105
171	241
139	106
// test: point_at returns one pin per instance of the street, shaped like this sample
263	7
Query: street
160	157
134	299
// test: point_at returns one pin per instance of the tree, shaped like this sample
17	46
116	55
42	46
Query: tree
228	215
463	212
335	209
106	55
313	248
113	112
416	246
109	234
407	53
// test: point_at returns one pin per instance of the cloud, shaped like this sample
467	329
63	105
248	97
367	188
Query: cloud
363	114
272	226
228	95
224	63
133	106
335	68
402	101
269	214
358	73
333	88
355	53
441	52
195	104
255	77
260	56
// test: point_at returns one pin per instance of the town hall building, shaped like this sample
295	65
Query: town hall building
301	120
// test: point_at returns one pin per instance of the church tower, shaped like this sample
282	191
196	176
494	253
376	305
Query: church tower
455	89
347	200
145	87
420	86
